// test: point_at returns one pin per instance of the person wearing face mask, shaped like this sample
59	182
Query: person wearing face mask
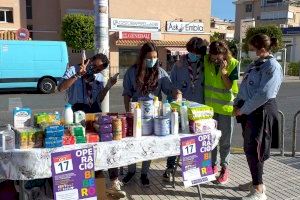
221	88
85	90
188	78
145	79
256	110
84	84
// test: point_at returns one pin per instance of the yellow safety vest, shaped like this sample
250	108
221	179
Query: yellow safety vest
216	95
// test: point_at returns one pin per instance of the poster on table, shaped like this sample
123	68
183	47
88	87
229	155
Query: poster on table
73	175
195	154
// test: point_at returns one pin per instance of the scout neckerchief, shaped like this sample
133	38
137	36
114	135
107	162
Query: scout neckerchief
256	65
88	92
193	78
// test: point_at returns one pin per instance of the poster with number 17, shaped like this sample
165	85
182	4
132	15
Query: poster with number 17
73	175
195	154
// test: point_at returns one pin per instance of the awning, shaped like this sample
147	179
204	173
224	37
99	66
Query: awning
159	43
177	51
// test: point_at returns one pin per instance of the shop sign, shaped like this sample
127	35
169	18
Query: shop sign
135	36
130	24
185	27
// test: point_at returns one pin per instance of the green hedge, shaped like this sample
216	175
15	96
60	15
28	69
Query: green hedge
293	69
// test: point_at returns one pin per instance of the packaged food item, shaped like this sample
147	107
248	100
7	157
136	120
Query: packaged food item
106	137
198	111
117	125
39	138
129	124
54	131
78	130
92	138
162	126
200	126
80	139
22	117
104	119
53	142
79	118
31	138
147	126
117	136
107	128
68	140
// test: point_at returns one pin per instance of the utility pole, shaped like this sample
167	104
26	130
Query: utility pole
102	40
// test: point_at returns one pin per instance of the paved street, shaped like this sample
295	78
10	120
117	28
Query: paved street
282	182
288	102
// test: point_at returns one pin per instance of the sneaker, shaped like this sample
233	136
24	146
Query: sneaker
115	190
167	176
128	177
215	169
249	187
255	195
144	179
223	178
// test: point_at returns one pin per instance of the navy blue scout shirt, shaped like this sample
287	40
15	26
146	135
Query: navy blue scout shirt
77	93
260	84
181	80
130	88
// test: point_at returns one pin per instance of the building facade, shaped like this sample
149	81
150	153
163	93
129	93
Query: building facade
169	24
284	13
224	27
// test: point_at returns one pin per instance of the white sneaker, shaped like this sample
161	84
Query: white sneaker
115	190
249	187
255	195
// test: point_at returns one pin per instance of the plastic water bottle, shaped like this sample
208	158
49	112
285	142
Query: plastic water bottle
174	122
137	122
184	118
8	139
167	109
156	107
68	114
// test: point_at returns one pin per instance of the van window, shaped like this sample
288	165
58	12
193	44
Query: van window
48	53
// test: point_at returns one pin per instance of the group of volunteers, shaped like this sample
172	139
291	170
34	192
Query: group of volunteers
207	74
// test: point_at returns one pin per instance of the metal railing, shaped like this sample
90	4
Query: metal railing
282	126
294	136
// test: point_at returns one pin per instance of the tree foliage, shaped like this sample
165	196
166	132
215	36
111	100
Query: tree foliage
78	31
270	30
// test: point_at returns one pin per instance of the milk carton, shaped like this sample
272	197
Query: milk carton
22	117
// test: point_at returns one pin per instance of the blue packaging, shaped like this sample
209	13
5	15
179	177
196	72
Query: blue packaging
162	126
54	131
147	126
53	142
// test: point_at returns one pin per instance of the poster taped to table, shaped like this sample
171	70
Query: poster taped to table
73	174
195	154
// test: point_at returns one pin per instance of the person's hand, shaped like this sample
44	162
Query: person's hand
112	81
177	95
236	112
223	67
83	66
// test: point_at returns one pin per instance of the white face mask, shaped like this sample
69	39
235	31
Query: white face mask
252	55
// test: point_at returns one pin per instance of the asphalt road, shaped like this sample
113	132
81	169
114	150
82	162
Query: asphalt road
288	102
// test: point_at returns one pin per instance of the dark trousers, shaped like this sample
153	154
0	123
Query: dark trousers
95	108
171	162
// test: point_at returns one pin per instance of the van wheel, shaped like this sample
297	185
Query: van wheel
46	86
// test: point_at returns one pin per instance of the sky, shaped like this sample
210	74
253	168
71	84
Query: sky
223	9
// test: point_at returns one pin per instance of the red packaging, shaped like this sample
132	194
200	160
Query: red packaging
124	126
92	138
68	140
129	124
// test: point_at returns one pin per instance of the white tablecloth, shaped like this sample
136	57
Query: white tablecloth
36	163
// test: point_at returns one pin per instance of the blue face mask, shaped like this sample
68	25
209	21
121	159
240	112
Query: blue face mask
193	57
150	63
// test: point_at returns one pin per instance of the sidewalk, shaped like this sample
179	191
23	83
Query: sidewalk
282	181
